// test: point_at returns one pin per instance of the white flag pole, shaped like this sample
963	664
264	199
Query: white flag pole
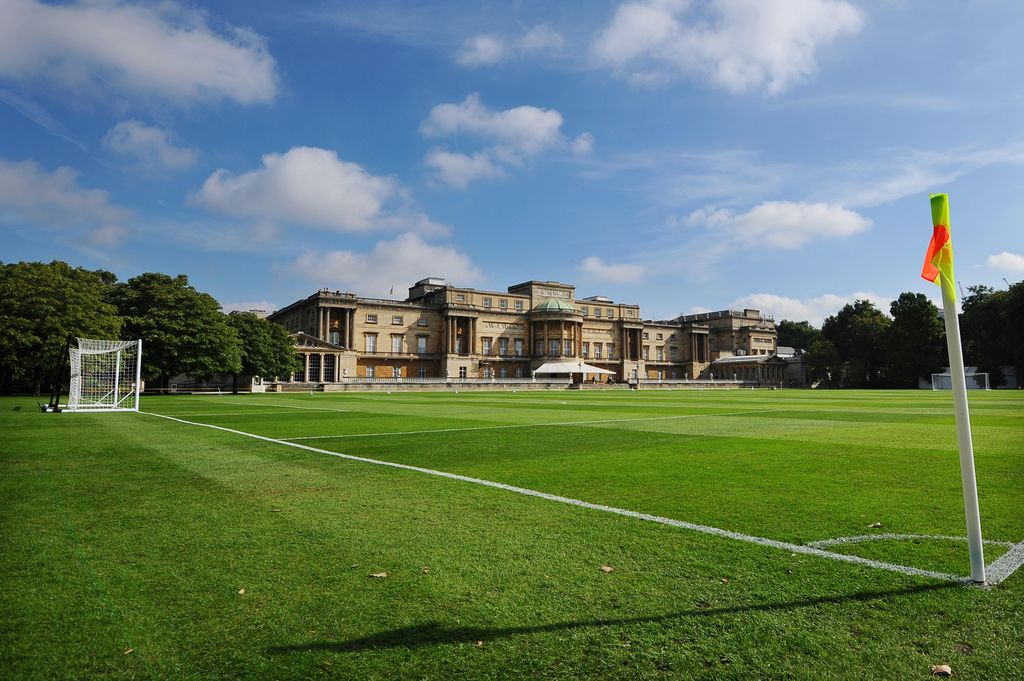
963	432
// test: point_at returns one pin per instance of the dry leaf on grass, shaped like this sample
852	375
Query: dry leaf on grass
607	568
478	644
241	592
875	525
129	651
379	575
942	670
425	569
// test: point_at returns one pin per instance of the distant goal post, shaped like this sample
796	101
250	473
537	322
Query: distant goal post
975	381
106	375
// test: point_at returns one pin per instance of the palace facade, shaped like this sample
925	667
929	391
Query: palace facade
444	331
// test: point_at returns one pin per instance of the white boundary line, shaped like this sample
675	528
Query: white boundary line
861	538
706	529
525	425
1006	564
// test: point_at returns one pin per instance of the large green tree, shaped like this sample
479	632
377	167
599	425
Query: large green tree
183	331
858	333
266	348
800	335
41	305
993	330
915	341
824	365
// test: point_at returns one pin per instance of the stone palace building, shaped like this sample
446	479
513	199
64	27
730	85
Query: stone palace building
446	332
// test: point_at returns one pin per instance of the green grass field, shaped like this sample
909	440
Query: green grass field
130	532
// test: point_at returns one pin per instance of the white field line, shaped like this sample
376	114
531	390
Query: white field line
1005	565
247	413
715	531
286	406
861	538
525	425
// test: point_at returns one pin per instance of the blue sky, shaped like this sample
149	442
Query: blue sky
682	155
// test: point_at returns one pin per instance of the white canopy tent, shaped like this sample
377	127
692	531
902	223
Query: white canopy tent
570	368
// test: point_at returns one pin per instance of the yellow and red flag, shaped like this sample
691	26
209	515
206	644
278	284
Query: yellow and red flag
939	258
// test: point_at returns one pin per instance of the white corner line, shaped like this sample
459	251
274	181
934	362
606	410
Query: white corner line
1005	565
705	529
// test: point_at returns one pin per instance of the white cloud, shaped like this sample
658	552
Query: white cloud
583	144
152	147
397	263
248	306
514	134
482	50
30	194
782	224
458	170
617	273
1006	262
813	310
305	185
523	129
159	49
541	37
738	45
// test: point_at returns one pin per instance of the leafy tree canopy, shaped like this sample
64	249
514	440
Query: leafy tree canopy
858	333
800	335
266	348
915	341
41	305
183	331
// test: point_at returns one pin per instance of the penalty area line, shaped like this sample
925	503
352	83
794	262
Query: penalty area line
704	529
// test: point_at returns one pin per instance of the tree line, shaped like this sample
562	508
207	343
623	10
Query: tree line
183	330
861	346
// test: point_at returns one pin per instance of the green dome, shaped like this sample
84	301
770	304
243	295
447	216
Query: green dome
555	305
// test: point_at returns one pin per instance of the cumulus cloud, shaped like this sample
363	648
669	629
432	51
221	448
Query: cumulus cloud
541	37
396	263
614	273
482	50
513	134
782	224
305	185
30	194
158	50
813	310
737	45
150	146
458	170
1006	262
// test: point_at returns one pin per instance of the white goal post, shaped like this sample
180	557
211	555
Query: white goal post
975	381
106	375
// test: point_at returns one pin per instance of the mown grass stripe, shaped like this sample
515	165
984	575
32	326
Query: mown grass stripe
705	529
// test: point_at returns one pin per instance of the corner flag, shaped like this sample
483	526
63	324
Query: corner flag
938	264
939	258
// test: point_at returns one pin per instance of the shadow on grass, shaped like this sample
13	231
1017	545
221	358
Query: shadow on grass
432	633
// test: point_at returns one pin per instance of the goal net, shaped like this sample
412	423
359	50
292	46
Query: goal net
105	375
977	381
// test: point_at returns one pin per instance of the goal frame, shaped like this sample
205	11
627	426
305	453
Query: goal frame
976	381
105	386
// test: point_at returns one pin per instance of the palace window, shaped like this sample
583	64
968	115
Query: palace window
421	372
422	321
661	354
553	348
660	336
371	342
586	350
460	298
567	348
519	306
462	372
584	311
645	335
503	372
421	344
488	372
371	319
538	347
647	351
609	313
487	303
503	304
672	354
396	372
519	347
396	344
503	347
369	372
629	312
486	343
396	320
611	350
597	351
519	372
329	367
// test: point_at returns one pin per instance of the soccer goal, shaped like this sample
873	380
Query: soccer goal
976	381
106	375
